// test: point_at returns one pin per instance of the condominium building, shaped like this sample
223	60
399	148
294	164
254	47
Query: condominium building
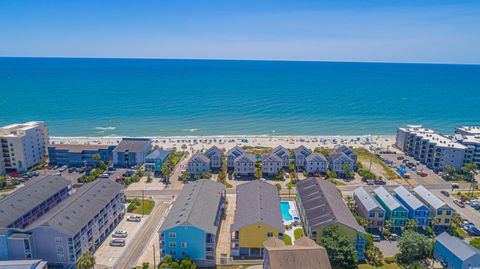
131	151
192	226
430	148
468	130
23	146
472	142
79	155
2	165
27	204
67	229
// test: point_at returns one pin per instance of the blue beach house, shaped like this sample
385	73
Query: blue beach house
191	227
416	209
78	155
154	160
455	253
131	151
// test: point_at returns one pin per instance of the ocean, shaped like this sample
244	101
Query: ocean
147	97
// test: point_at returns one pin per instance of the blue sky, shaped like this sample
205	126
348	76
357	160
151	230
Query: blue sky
434	31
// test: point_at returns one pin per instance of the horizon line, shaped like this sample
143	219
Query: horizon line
225	59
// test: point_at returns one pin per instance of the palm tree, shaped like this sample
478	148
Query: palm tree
388	224
86	261
185	176
470	169
184	147
350	203
411	224
346	167
289	187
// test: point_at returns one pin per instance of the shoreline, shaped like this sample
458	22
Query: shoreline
228	141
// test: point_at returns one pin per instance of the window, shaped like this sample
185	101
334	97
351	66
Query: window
380	214
59	248
372	214
184	253
172	235
449	212
270	234
173	244
173	252
58	240
184	244
314	235
60	257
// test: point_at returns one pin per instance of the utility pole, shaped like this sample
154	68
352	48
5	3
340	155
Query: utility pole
154	262
143	202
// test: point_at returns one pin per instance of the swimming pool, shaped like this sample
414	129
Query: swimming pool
285	207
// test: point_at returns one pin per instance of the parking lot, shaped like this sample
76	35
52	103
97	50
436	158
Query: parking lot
106	256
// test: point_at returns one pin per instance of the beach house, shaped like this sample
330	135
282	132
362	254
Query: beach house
349	152
244	165
305	254
131	151
369	208
394	210
215	155
341	163
191	227
198	164
232	154
315	164
320	206
416	209
283	153
79	155
154	160
441	213
271	164
455	253
257	218
299	155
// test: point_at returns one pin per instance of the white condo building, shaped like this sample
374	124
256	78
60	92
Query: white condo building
469	136
23	145
433	149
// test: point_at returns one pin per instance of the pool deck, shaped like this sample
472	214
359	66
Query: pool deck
294	213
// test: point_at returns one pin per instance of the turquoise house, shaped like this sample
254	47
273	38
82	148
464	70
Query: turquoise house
394	210
154	160
192	225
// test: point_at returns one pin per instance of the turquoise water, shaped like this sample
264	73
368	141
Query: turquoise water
285	207
199	97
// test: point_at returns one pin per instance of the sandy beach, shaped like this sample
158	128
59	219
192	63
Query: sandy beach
202	142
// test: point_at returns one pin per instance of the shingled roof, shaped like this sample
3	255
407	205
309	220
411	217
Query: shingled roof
25	199
71	215
258	202
323	205
196	206
305	254
132	145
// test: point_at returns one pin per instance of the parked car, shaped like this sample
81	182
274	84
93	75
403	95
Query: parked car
446	193
455	186
104	175
400	158
111	168
134	218
393	237
380	182
117	243
72	169
407	175
370	182
422	174
57	174
459	203
120	234
63	168
81	170
376	238
473	231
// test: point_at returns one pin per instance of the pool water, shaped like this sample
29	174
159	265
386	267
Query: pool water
285	207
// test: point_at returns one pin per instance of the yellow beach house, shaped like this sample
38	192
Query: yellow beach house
257	218
442	213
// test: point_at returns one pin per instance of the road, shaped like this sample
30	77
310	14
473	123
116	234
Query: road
130	258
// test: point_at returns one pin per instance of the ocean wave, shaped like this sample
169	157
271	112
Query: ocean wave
109	128
190	130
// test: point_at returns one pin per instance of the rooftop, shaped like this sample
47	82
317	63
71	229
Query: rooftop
158	154
305	254
366	199
302	150
258	202
457	246
391	202
408	197
132	144
323	205
25	199
429	197
12	129
196	206
468	130
78	148
316	156
71	215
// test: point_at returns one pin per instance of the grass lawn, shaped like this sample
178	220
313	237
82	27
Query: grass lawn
287	239
365	155
467	194
384	266
298	233
336	182
148	206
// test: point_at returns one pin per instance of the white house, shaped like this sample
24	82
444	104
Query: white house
337	163
284	154
299	155
215	155
271	164
316	163
244	165
198	164
232	154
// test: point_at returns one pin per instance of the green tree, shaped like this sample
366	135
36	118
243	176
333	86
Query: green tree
184	147
411	225
413	247
374	255
350	203
350	175
281	175
222	176
258	173
145	265
207	175
185	176
341	252
187	263
475	242
289	187
279	187
470	169
346	167
149	177
331	174
449	170
86	261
